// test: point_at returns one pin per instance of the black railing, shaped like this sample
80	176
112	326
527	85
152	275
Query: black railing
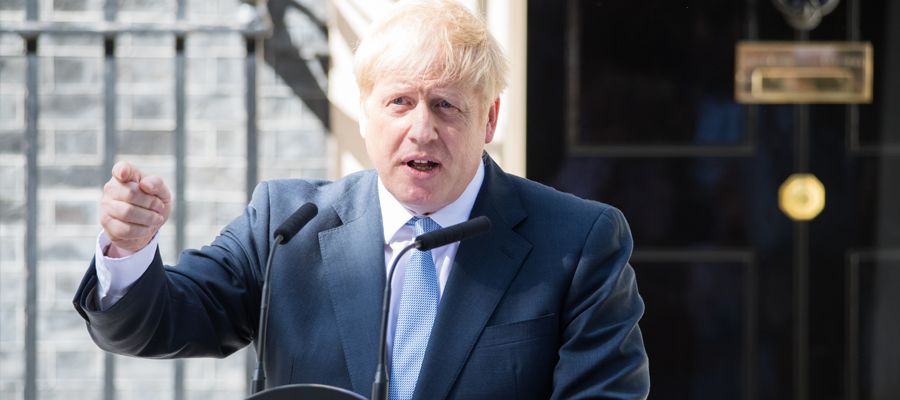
31	29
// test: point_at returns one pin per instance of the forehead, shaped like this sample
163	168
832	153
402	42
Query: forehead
397	83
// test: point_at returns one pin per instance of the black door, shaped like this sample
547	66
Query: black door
632	103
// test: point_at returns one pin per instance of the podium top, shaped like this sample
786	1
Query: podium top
306	391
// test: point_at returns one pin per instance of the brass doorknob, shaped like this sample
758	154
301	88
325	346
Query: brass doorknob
801	197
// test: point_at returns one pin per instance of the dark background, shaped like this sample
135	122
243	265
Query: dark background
632	103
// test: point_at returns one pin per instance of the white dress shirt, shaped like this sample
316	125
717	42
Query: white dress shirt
398	235
116	275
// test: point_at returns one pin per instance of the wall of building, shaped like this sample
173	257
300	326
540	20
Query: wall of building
292	143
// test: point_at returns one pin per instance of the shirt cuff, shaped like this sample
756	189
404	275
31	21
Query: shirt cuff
116	275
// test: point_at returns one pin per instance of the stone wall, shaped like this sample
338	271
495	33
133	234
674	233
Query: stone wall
292	143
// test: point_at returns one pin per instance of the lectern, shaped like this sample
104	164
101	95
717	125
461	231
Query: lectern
306	392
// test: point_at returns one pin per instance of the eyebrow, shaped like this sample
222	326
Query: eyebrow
450	92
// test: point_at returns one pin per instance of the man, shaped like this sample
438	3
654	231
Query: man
543	306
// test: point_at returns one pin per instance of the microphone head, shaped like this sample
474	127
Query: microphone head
295	222
453	233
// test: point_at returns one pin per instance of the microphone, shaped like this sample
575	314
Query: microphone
425	242
295	222
453	233
282	235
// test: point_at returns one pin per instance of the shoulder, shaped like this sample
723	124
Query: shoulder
559	222
291	193
544	202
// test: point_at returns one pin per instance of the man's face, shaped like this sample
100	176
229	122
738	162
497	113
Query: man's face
426	139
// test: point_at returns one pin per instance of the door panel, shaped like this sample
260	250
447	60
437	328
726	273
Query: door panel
631	103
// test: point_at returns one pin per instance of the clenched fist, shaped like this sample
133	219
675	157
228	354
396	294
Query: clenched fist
133	209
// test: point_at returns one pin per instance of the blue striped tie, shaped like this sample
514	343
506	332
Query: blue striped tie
418	306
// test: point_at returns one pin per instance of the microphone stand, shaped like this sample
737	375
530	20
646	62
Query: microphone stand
283	234
288	392
380	385
294	223
259	375
424	242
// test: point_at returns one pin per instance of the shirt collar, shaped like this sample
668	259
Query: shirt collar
394	215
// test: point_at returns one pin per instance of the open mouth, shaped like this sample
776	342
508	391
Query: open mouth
422	165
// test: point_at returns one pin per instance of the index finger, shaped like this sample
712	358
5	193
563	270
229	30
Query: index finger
124	172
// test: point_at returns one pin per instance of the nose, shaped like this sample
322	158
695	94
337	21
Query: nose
422	127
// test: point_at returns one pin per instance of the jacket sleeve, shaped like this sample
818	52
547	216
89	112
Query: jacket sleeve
601	352
207	305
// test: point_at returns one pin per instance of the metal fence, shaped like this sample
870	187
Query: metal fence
253	28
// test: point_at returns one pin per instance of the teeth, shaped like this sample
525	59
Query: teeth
422	165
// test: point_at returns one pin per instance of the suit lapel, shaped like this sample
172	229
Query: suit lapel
482	271
354	255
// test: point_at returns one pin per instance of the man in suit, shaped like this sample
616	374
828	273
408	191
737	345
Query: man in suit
543	306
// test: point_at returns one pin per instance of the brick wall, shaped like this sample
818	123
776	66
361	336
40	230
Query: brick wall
292	143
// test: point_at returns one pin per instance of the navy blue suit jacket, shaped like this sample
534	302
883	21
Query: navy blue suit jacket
543	306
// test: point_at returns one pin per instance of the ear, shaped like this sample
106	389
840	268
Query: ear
493	113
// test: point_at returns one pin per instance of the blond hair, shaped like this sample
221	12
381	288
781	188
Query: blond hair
437	40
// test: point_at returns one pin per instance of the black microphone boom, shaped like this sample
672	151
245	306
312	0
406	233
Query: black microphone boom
453	233
428	241
282	235
295	222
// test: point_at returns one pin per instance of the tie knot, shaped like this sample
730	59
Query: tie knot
424	225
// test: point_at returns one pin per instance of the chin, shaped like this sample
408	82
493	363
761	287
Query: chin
420	206
421	203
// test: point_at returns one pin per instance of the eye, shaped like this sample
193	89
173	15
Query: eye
399	101
444	104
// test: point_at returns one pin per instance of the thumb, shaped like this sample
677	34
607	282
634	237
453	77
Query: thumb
124	172
154	185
